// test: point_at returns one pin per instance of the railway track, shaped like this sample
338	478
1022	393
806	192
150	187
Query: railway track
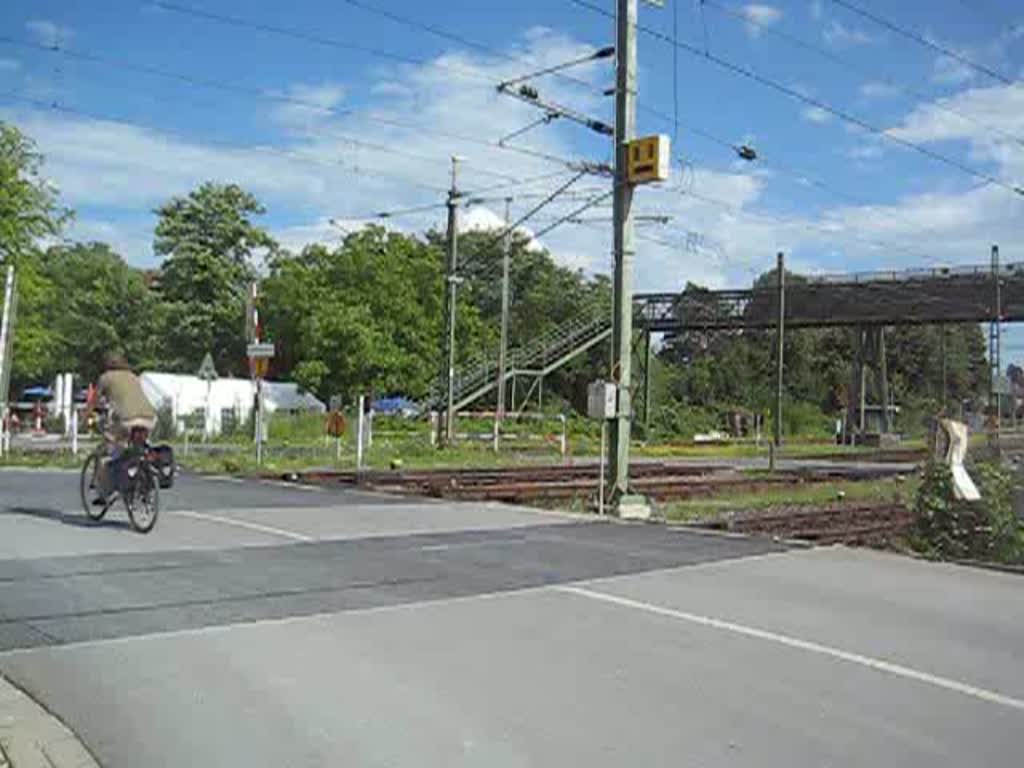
860	524
661	481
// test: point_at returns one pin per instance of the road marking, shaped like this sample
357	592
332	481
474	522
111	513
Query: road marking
293	486
243	524
805	645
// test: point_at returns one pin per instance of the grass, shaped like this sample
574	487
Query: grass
43	459
807	494
297	442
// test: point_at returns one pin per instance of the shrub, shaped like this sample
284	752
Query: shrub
164	430
983	530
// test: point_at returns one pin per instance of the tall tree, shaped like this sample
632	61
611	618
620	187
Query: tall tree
102	304
29	209
209	241
363	316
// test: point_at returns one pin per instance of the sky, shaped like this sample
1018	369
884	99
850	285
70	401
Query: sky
340	109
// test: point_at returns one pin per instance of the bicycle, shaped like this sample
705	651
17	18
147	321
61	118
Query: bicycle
135	477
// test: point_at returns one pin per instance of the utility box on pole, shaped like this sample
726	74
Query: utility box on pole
649	159
601	400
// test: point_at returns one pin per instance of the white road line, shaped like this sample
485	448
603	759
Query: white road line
805	645
293	486
243	524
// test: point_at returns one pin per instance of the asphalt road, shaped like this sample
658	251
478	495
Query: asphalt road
268	625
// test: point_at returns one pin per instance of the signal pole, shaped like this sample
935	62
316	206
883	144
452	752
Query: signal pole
622	285
452	280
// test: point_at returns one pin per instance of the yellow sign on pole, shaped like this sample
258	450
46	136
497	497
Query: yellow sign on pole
648	159
260	366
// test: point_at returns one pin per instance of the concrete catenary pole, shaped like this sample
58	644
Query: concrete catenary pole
503	348
622	283
452	288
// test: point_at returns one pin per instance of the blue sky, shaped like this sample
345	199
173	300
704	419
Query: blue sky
288	114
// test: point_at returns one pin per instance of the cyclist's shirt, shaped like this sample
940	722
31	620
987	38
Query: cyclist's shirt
123	392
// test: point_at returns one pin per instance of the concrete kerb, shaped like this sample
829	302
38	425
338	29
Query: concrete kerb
32	737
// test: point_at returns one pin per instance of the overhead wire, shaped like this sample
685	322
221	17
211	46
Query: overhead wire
227	86
261	149
444	34
922	40
845	63
804	98
471	199
777	221
433	29
447	35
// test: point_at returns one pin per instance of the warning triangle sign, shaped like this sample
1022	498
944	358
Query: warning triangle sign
207	371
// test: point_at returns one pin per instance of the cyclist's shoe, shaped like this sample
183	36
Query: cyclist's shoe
99	501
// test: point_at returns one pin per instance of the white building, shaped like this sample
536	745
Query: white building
229	399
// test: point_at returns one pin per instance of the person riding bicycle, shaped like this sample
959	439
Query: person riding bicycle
128	408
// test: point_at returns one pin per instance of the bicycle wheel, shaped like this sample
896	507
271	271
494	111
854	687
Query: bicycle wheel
143	503
87	491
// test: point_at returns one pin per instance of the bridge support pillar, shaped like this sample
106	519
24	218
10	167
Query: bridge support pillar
869	353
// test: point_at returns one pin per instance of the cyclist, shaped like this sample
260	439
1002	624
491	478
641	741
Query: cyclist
128	408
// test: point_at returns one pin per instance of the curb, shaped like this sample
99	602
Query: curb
990	566
31	737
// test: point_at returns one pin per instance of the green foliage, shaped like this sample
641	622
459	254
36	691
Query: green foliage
105	305
365	316
674	420
295	428
210	241
802	419
984	530
719	370
28	203
164	429
542	295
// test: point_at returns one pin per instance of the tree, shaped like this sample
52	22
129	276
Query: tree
544	296
103	304
29	209
210	241
363	316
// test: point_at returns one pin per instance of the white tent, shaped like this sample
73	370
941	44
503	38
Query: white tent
228	398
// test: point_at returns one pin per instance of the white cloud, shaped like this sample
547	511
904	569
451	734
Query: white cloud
49	33
132	239
999	106
308	106
294	238
865	152
948	71
838	35
759	16
9	65
454	96
876	90
816	115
